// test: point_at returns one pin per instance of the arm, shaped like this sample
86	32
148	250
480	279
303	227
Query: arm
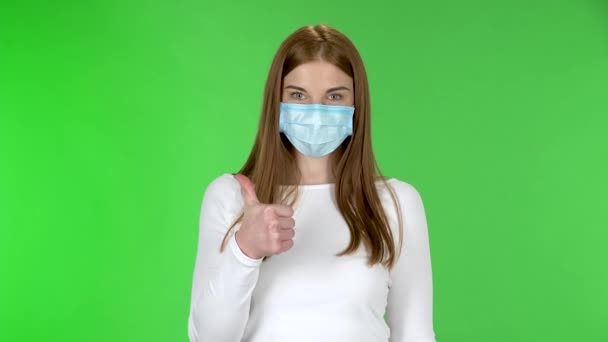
410	299
223	283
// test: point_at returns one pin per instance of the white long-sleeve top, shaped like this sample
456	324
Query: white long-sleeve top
307	293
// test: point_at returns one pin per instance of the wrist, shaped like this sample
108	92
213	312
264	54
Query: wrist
244	248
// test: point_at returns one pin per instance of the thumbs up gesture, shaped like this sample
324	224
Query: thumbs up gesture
266	229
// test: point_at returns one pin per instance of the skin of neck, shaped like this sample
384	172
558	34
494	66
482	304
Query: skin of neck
315	170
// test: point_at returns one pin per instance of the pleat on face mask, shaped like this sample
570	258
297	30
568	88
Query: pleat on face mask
316	129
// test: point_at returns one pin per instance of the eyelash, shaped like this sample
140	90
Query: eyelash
296	93
299	93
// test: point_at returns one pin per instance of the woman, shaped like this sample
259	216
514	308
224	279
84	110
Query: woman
301	244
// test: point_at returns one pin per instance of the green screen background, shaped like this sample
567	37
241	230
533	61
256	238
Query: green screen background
115	116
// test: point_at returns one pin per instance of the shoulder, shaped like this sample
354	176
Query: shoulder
224	191
406	192
222	184
409	201
222	200
411	211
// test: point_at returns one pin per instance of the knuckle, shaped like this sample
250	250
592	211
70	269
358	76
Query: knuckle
287	210
289	244
276	247
275	235
268	212
273	224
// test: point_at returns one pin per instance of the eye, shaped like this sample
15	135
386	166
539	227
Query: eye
297	95
335	97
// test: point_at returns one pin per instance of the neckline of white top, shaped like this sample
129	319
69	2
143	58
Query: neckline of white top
328	185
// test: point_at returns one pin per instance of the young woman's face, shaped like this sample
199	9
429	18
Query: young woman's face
318	82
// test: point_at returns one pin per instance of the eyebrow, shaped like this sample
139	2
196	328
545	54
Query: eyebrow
328	90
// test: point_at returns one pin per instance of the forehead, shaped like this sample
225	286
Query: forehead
317	74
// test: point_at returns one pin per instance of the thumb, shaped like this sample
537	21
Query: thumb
247	189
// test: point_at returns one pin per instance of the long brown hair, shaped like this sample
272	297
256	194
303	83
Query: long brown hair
271	164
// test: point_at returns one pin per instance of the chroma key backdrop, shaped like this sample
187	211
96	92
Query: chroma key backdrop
116	115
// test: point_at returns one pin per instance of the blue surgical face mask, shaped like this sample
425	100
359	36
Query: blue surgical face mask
315	129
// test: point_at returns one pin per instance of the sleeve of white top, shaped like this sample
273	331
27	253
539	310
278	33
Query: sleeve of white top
222	283
410	299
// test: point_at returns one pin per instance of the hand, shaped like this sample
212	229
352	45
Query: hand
266	229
